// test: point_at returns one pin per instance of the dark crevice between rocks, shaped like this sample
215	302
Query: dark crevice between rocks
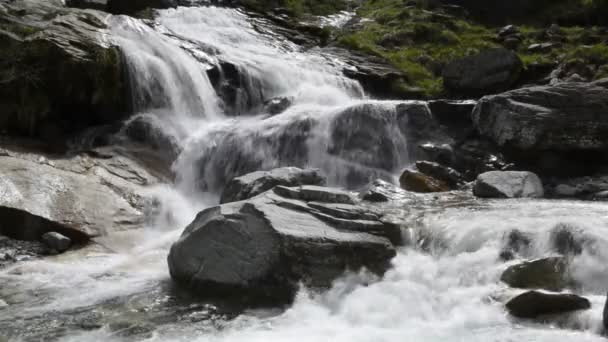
22	225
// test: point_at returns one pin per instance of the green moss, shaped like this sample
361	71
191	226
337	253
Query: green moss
420	40
416	41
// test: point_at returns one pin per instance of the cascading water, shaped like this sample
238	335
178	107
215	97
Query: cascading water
121	291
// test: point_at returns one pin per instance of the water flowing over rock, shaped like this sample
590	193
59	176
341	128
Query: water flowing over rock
488	72
60	73
253	184
533	304
310	236
508	184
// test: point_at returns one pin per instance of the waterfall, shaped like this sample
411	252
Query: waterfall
207	72
202	78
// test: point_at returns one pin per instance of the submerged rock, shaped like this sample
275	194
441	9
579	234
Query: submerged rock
253	184
532	304
546	274
508	184
56	241
262	248
488	72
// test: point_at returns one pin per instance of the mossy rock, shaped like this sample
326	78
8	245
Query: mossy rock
58	77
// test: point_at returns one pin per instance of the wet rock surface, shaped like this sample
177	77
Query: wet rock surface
547	274
79	197
253	184
508	184
277	239
533	304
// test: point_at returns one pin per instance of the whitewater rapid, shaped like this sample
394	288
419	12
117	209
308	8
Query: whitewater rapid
120	290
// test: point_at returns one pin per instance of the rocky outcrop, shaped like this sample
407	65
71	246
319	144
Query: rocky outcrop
58	72
567	118
533	304
508	184
263	247
488	72
547	274
79	197
253	184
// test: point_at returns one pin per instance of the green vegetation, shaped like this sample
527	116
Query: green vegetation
419	40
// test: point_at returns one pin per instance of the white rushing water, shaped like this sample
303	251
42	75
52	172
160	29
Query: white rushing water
122	286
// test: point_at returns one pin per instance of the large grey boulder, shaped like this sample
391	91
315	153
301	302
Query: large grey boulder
532	304
567	117
80	196
253	184
547	274
508	184
488	72
262	248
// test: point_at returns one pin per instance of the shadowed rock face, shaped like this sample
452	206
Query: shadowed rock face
567	117
59	73
533	304
547	274
263	247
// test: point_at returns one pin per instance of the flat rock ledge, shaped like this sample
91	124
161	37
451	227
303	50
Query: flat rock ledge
261	249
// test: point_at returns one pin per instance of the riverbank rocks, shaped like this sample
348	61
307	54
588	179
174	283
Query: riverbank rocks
488	72
253	184
547	274
79	197
532	304
262	248
59	72
563	118
508	184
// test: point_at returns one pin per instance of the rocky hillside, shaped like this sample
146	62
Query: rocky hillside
553	39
